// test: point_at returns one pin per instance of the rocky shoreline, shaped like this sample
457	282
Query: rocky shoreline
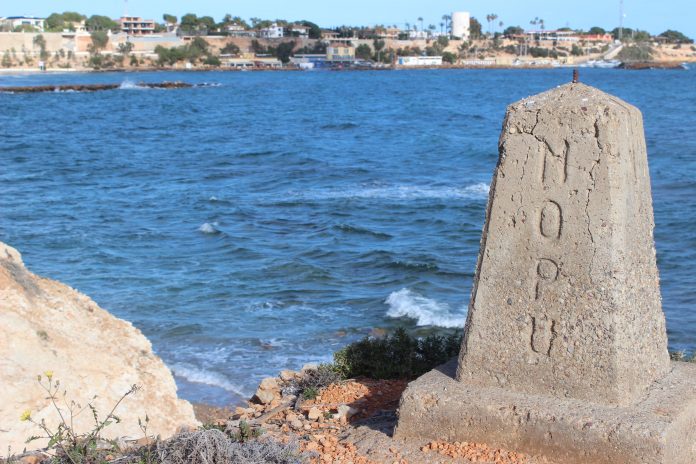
336	413
86	359
349	421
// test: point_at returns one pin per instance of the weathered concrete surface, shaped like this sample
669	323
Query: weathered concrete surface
566	299
565	349
659	429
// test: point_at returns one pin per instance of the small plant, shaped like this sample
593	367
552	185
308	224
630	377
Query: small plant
310	393
312	381
146	450
71	446
246	432
683	356
10	459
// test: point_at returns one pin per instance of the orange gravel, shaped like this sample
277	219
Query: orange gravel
325	436
329	450
475	452
368	396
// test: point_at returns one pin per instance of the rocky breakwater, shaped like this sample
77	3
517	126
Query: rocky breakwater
46	326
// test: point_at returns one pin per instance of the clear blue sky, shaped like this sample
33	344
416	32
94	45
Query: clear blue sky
652	15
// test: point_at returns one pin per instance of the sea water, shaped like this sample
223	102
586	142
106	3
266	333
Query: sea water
270	219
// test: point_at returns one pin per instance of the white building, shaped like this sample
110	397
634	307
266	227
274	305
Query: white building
14	22
460	24
297	30
416	35
273	31
419	61
237	30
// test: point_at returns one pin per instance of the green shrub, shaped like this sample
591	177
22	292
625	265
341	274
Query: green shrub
212	60
449	57
635	53
397	356
310	393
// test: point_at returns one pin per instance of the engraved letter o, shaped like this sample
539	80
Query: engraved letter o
551	220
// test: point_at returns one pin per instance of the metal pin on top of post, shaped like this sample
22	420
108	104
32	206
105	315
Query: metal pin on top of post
576	75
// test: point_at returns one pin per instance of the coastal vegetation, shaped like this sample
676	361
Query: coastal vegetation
494	43
393	356
675	37
396	356
638	52
197	50
206	445
69	445
40	41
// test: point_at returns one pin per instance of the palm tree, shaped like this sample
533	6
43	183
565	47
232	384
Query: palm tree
432	29
490	18
442	25
420	18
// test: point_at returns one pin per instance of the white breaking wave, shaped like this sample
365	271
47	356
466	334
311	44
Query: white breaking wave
402	192
209	228
130	85
195	375
406	303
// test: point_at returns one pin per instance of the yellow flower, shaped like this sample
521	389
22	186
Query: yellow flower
49	375
26	415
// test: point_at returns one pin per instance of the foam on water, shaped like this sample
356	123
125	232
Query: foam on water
209	228
130	85
401	192
196	375
407	303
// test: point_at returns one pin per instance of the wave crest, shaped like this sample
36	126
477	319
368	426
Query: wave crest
477	191
406	303
196	375
209	228
130	85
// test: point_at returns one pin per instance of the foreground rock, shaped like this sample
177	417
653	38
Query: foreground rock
48	326
565	350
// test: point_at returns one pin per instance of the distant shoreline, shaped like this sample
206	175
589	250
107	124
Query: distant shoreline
625	66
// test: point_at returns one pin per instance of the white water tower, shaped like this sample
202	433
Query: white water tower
460	24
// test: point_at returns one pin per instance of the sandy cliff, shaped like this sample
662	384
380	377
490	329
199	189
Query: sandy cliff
48	326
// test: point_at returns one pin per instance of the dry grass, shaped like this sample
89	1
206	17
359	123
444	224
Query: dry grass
213	446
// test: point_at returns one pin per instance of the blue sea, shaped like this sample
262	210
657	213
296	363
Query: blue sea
266	220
